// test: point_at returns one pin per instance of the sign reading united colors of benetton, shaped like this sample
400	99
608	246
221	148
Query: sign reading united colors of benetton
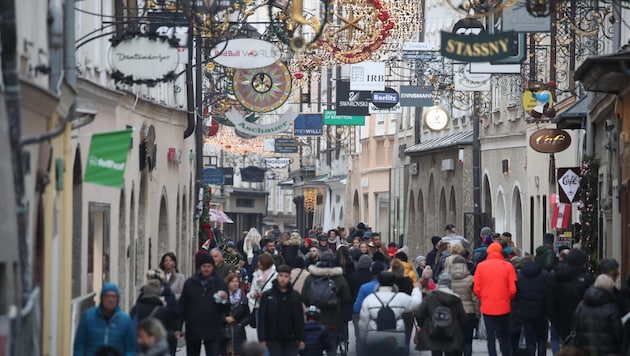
245	53
142	59
477	48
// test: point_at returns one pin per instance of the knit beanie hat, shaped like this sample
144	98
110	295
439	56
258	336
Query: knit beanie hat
486	231
495	247
576	258
206	258
365	261
427	273
445	280
377	268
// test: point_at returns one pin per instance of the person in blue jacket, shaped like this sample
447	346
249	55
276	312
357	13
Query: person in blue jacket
105	325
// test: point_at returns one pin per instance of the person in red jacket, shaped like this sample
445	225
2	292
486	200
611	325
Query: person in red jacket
495	286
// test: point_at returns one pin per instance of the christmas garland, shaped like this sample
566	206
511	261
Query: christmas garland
205	227
588	207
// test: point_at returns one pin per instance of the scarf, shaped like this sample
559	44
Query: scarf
335	241
264	276
236	297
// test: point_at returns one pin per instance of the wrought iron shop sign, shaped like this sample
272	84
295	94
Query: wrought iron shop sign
478	48
550	140
277	162
143	59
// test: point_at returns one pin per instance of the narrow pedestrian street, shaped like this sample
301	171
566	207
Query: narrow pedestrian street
479	346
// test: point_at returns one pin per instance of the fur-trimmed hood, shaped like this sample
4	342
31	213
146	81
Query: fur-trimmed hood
325	271
292	242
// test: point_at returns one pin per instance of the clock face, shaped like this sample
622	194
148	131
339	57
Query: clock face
436	118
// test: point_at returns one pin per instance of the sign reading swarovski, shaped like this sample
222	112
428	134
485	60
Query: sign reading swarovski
351	102
138	58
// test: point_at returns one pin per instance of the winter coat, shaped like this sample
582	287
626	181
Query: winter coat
568	287
153	306
545	257
316	339
240	312
256	288
95	331
454	239
357	279
290	250
439	268
462	285
400	303
598	328
532	291
298	276
268	322
200	312
431	258
424	316
365	290
495	285
169	298
330	316
159	349
176	283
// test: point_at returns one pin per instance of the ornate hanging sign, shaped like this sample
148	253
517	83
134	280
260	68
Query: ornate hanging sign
477	48
255	129
358	19
550	140
141	59
277	162
262	89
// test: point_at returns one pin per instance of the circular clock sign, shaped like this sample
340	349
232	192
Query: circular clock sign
436	118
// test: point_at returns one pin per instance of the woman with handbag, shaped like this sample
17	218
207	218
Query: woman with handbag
237	317
261	282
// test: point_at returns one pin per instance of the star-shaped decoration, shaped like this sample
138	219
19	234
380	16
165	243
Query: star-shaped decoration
351	24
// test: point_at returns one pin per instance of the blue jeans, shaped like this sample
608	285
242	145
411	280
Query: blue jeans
555	340
212	347
498	326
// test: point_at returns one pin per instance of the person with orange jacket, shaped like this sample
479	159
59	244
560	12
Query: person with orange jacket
495	286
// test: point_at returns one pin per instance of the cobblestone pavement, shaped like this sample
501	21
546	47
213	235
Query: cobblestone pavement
479	346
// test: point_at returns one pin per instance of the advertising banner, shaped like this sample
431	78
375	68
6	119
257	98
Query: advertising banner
367	76
351	102
415	96
107	158
331	118
311	124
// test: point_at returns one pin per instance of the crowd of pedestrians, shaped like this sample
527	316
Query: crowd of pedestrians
302	294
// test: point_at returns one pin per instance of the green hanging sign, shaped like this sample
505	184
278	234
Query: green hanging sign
107	158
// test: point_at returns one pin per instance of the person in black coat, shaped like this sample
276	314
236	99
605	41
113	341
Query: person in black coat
151	306
281	322
433	253
568	287
529	308
237	317
203	303
597	321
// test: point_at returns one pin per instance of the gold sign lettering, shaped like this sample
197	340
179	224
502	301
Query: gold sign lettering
549	140
461	48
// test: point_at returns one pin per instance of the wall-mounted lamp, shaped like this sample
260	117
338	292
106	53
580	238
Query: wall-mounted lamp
460	154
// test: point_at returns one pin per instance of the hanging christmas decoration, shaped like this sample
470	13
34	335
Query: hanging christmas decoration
295	27
588	207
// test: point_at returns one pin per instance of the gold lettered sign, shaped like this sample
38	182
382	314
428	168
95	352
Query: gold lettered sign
550	140
478	48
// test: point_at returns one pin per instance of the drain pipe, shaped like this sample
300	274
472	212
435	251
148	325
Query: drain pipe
190	91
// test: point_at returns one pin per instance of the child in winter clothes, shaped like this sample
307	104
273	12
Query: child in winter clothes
316	335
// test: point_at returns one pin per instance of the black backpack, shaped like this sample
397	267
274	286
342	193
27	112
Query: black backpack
385	319
322	293
442	325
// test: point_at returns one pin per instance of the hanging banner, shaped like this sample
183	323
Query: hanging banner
561	216
331	118
368	76
311	124
107	158
351	102
478	48
417	96
212	176
255	129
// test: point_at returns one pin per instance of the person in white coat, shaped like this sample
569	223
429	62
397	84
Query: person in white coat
386	294
262	282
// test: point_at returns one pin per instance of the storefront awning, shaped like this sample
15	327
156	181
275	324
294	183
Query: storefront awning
457	139
574	118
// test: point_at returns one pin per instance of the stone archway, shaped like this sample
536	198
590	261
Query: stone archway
431	207
487	196
442	212
420	214
500	217
412	224
517	218
452	207
77	222
163	234
356	208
